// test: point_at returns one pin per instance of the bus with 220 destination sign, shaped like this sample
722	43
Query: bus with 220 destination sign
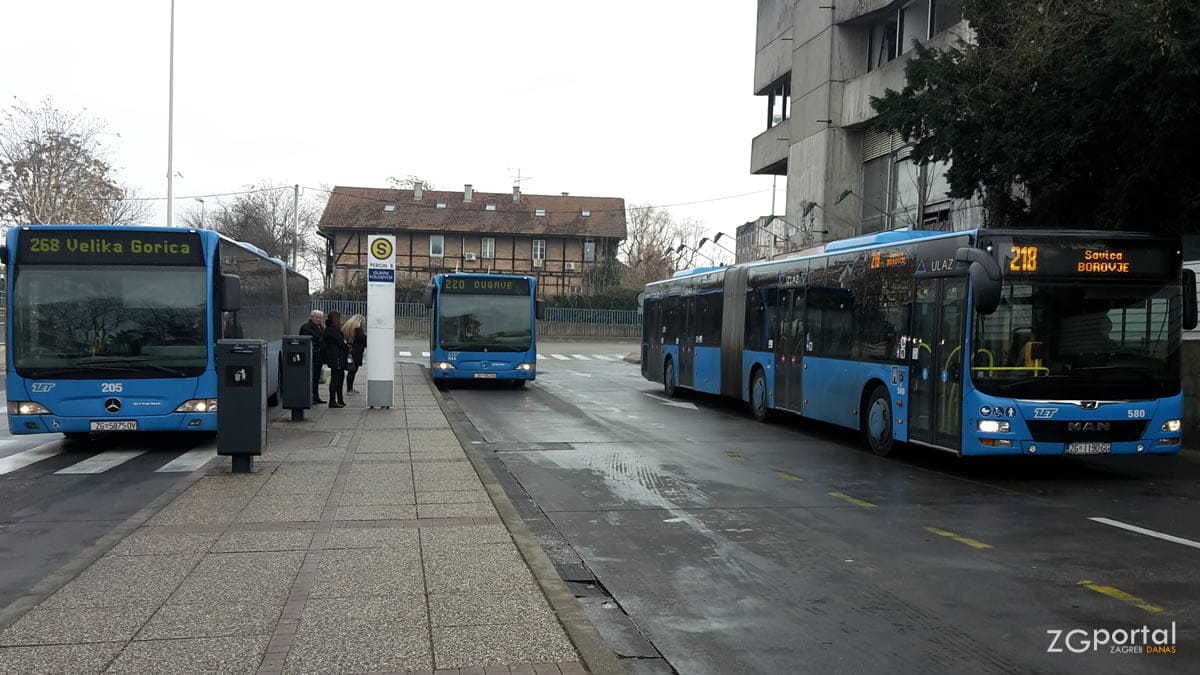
112	328
984	342
483	327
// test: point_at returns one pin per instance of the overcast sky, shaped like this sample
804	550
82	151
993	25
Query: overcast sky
649	100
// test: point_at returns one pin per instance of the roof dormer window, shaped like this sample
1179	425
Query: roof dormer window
388	208
539	212
587	212
490	207
441	205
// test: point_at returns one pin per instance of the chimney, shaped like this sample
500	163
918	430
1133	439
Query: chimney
417	191
566	194
516	194
467	192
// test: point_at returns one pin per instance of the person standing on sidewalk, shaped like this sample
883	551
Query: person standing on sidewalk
336	354
356	334
315	329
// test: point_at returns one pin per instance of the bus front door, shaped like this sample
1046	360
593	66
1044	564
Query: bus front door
790	368
687	343
935	351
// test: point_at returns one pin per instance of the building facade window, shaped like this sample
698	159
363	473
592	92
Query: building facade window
899	194
437	245
894	32
779	101
488	248
944	14
539	250
589	250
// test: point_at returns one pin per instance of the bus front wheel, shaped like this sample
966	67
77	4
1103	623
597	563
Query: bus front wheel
877	422
669	378
758	396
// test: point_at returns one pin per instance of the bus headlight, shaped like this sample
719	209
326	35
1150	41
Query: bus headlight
442	365
525	366
27	408
993	426
198	405
1172	425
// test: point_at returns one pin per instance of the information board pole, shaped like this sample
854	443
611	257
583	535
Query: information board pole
380	358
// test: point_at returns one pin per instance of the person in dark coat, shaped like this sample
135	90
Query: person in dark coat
315	329
336	353
356	334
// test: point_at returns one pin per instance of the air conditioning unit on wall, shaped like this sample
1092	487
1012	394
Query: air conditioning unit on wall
569	266
468	256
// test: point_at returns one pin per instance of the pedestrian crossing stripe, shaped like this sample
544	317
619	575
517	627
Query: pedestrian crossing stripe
403	353
189	461
105	460
560	357
101	462
581	357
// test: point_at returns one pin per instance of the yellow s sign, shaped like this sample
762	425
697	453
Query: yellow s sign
381	249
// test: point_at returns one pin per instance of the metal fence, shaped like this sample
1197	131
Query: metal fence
412	318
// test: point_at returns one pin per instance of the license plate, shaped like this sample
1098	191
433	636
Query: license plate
115	425
485	376
1089	448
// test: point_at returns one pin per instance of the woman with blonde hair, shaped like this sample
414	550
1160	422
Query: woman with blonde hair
356	336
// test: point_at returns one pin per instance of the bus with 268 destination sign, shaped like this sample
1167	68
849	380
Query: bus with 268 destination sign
483	327
984	342
113	328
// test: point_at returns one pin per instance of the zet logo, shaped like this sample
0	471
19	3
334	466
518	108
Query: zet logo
1044	413
381	249
42	387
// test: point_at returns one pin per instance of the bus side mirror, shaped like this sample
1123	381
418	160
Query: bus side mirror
540	310
985	278
1189	299
231	293
427	297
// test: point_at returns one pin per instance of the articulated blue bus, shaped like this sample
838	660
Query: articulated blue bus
483	327
984	342
112	328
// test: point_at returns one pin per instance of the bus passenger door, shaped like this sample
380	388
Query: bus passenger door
935	354
791	368
687	343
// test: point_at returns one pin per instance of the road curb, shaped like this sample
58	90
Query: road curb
77	565
597	657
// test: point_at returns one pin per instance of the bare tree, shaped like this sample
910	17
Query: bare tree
54	169
409	182
129	209
657	245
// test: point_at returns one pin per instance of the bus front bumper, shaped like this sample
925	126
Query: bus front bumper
1166	445
57	424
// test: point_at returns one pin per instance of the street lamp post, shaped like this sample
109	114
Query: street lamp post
201	200
171	127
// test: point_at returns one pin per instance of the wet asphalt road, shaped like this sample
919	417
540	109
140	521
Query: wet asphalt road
732	546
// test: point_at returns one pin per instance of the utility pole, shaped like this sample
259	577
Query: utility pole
171	127
295	223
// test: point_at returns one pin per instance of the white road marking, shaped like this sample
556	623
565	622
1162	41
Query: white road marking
560	357
1150	533
24	458
600	357
677	404
403	353
581	357
189	461
425	354
542	356
576	372
102	462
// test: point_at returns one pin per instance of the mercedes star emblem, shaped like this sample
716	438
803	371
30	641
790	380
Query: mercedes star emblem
112	405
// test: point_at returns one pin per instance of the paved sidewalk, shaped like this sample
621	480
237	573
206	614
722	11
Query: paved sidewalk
364	542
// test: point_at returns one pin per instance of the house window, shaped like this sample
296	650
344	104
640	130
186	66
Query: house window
914	23
490	207
539	250
441	205
539	212
589	250
897	193
876	181
488	249
389	207
945	14
778	100
587	212
881	46
437	245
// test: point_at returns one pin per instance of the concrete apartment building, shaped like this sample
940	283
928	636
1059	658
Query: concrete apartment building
555	238
817	64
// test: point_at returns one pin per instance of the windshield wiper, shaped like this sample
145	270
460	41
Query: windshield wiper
54	372
129	364
1009	386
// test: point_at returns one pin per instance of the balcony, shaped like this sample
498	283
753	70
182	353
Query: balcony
769	151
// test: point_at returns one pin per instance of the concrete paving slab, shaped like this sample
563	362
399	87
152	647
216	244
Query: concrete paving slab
372	572
210	510
447	575
298	484
388	480
358	651
379	442
338	421
483	646
381	498
386	419
153	541
366	614
379	512
223	655
264	540
449	484
462	510
229	484
283	509
299	435
467	535
82	658
428	453
374	537
76	625
223	578
483	609
363	472
380	457
321	455
452	497
437	435
441	471
107	582
173	622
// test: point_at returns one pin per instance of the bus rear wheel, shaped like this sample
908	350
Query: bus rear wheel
877	422
758	396
669	379
518	384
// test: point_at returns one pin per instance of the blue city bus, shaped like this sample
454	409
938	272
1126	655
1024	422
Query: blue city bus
984	342
112	328
483	327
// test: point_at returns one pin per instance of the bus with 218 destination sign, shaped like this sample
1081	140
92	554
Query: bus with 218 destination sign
984	342
113	328
483	327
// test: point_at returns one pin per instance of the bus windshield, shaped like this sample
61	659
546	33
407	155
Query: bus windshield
1057	340
485	323
82	322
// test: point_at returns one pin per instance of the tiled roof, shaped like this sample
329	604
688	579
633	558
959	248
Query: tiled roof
364	208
